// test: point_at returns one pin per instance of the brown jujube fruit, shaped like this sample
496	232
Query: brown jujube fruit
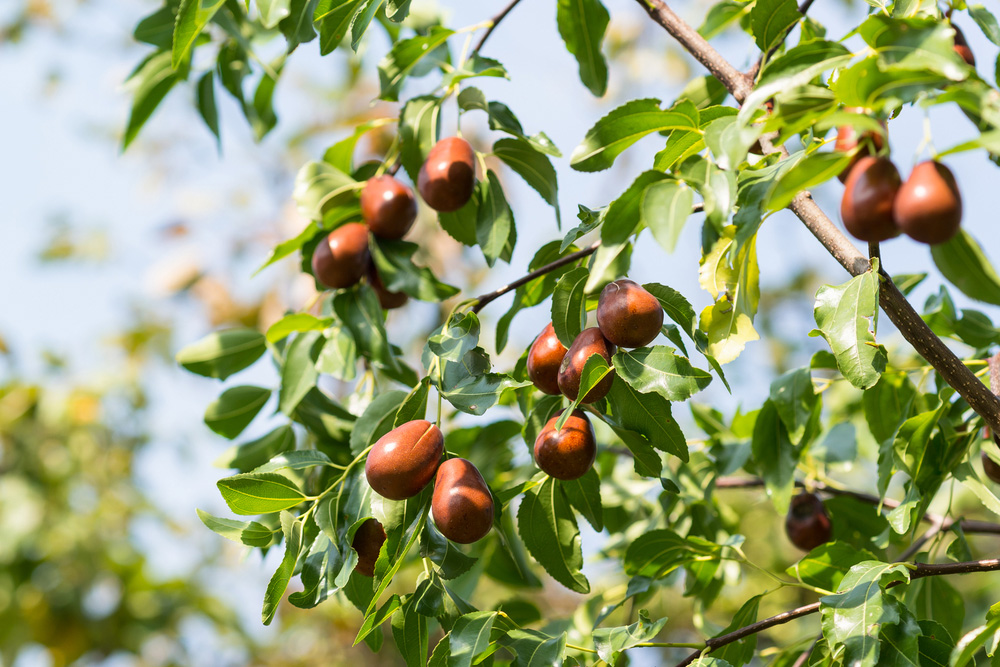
388	300
404	460
341	259
962	47
928	206
461	504
570	452
628	315
588	342
807	524
544	358
367	542
867	204
448	176
388	207
848	139
991	468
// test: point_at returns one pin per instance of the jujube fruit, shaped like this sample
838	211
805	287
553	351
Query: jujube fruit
404	460
848	139
461	504
367	542
570	452
991	468
341	259
807	524
628	315
867	205
928	206
588	342
388	207
388	300
962	47
544	359
448	176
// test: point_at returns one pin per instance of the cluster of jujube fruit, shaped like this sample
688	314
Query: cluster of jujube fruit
627	316
389	209
877	204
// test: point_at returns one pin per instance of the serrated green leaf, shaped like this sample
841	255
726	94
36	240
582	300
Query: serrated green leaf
223	353
612	642
771	20
533	166
548	528
657	369
665	208
263	493
568	305
235	408
292	530
582	24
250	533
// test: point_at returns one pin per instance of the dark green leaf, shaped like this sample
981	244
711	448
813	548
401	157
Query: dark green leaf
612	642
548	528
657	369
965	265
584	495
495	221
532	165
581	25
377	420
229	414
263	493
771	20
258	452
292	530
250	533
649	415
223	353
400	274
298	370
568	305
152	81
657	553
404	57
361	313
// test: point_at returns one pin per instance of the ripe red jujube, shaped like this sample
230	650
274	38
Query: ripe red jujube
807	524
628	315
962	47
448	176
588	342
848	139
367	542
404	460
388	300
341	259
928	206
570	452
544	358
388	207
461	504
991	468
869	194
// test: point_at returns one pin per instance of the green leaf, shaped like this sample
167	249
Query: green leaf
451	562
549	531
793	396
612	642
298	370
665	208
262	493
229	414
399	274
965	265
842	314
888	404
973	641
770	21
503	119
272	11
736	288
470	636
151	81
532	165
648	415
361	313
404	57
473	67
624	214
374	619
934	598
986	21
825	566
333	18
568	305
250	533
157	28
414	406
321	187
206	103
297	27
223	353
584	495
377	420
775	455
339	356
495	221
298	460
623	127
581	25
258	452
810	171
192	17
657	553
676	306
292	530
363	20
657	369
533	648
852	618
296	322
740	652
409	630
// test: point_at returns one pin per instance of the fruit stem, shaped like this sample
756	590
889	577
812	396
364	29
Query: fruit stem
574	647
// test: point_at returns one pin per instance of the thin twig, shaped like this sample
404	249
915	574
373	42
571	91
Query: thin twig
494	22
917	571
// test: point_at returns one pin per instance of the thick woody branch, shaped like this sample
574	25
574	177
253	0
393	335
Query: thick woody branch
895	305
917	571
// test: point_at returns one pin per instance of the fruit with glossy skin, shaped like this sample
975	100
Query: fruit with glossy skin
869	194
341	259
388	300
807	524
628	315
570	452
991	468
848	139
588	342
928	206
461	504
448	176
388	207
544	358
367	542
962	47
404	460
